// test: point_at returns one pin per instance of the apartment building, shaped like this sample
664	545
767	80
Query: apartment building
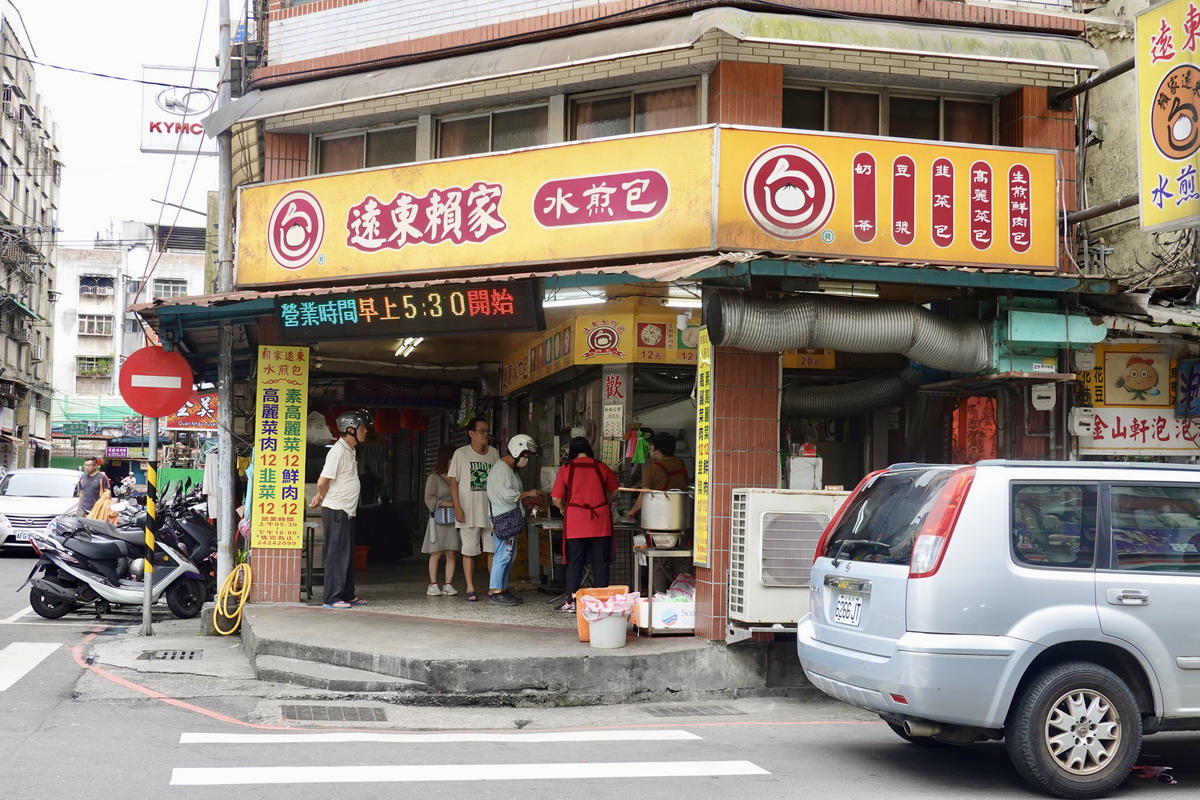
30	176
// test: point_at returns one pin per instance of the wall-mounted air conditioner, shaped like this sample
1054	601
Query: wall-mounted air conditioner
774	538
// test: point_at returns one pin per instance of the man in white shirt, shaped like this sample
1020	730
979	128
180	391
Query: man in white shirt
337	495
468	475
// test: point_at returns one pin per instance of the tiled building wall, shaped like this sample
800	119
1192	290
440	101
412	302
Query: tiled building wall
286	156
333	35
713	49
745	446
276	576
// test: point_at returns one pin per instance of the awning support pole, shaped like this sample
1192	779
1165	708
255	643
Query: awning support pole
1061	100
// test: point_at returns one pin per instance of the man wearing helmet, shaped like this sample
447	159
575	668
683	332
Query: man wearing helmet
504	494
337	495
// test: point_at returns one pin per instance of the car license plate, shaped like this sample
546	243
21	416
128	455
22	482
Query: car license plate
22	536
847	609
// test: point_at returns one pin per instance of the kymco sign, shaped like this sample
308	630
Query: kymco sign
155	383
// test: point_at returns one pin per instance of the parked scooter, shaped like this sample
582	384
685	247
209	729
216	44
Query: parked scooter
87	562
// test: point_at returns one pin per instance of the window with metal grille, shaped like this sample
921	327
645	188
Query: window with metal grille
96	324
165	288
95	284
93	366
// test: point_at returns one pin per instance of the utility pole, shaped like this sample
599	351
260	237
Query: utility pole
226	524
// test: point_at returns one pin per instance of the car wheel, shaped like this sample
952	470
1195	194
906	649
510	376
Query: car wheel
185	598
48	607
919	741
1075	731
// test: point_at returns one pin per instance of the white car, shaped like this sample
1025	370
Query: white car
30	498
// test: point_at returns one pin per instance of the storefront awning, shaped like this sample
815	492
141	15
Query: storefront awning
859	35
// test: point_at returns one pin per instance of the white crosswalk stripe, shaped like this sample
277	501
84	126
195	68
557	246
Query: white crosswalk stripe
19	658
230	776
591	767
361	736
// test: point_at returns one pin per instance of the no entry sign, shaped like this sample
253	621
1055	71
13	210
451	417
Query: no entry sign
155	383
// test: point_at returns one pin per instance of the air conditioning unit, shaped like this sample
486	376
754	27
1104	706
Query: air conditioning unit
23	335
774	538
37	353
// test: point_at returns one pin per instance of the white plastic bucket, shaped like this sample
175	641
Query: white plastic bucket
608	633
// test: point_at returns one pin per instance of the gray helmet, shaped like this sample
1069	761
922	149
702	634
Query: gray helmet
348	422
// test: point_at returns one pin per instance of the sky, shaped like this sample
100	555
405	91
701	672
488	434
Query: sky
106	179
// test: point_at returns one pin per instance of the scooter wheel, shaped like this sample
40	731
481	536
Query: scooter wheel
48	607
185	598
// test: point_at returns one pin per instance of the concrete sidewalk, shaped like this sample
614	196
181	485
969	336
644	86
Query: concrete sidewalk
446	651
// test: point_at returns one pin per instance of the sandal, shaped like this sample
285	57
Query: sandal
340	604
358	602
472	597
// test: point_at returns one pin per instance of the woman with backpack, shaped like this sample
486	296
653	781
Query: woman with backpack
583	490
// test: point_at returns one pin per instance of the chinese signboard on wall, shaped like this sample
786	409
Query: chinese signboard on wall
197	414
704	438
776	191
1168	87
1131	375
281	407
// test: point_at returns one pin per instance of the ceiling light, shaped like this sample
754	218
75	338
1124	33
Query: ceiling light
683	302
572	301
408	345
849	288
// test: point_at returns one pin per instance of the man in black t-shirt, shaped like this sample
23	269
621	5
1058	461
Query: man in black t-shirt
91	484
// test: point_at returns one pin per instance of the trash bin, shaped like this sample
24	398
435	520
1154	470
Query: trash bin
608	633
603	593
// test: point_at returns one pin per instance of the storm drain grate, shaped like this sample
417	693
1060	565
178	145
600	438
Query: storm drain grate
334	713
693	711
171	655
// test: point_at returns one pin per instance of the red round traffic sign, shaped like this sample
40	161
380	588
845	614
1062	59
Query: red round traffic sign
155	383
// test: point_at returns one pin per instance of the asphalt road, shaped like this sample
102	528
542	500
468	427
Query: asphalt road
72	730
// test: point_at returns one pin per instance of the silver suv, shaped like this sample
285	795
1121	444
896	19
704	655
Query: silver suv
1051	604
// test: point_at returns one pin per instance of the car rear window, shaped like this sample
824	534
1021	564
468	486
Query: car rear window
882	520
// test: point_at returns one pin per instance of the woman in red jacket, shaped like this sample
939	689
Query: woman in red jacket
583	490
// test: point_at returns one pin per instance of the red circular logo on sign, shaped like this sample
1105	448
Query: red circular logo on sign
296	229
155	383
788	192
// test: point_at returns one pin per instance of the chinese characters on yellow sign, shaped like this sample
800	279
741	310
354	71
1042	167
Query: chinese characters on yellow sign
1168	82
775	191
277	510
704	437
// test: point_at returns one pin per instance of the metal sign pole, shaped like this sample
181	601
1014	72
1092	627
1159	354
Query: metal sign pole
151	524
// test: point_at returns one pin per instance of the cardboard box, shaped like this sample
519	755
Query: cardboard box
667	616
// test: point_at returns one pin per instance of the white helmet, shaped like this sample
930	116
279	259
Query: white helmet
521	444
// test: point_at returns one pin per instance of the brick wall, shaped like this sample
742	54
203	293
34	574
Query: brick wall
746	390
276	576
349	34
286	156
746	94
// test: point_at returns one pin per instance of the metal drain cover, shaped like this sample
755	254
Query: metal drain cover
334	713
693	711
171	655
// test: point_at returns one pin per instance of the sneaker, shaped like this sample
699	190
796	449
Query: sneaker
449	590
569	607
434	591
503	599
519	600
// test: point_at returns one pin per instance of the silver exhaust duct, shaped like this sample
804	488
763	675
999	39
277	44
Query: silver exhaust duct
849	399
851	326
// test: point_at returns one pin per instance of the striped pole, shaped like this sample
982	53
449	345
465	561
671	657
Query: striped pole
151	524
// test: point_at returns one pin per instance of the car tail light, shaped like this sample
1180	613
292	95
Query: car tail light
930	545
841	512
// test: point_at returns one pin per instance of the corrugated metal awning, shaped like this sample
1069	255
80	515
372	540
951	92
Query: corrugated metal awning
861	35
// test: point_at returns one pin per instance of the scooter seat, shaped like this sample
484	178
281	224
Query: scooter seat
131	535
95	550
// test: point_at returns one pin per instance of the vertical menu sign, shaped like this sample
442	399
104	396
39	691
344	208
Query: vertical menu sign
277	514
704	417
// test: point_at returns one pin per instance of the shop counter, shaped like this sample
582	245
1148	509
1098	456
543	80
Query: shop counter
545	551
